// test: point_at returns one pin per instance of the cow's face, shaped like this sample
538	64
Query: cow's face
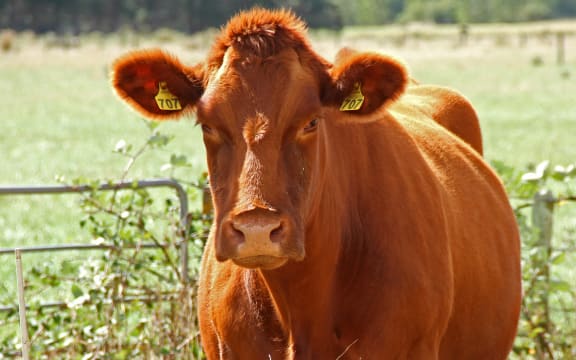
263	120
260	120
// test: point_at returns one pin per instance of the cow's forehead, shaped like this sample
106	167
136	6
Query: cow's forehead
278	88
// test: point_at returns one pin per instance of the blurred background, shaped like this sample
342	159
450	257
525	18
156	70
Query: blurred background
82	16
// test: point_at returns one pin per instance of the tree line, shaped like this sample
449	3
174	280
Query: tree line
374	12
80	16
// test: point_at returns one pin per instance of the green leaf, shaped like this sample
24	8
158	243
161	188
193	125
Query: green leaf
560	286
152	125
159	140
558	259
179	160
559	173
68	267
76	291
536	331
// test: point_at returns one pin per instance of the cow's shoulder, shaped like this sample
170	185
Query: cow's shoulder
444	106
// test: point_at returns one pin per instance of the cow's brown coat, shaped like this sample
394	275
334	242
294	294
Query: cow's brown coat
373	234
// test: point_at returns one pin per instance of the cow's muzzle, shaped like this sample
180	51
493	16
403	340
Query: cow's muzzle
259	239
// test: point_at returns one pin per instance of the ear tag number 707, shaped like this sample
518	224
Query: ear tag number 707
354	101
165	99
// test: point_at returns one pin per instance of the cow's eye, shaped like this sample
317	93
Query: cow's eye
311	126
206	129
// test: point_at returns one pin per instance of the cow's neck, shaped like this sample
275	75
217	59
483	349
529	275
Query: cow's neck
304	293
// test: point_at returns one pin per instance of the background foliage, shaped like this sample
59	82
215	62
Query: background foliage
76	16
547	327
127	301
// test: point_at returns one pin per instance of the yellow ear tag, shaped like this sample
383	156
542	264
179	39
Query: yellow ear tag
354	101
165	99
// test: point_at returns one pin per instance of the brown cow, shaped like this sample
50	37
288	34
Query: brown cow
348	223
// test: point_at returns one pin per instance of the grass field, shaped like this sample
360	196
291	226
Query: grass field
59	116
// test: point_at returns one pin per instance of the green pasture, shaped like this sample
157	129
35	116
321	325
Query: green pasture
59	118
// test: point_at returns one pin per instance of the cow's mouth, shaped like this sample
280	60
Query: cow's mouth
264	262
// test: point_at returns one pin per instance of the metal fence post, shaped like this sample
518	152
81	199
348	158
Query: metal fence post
543	220
543	216
22	307
561	48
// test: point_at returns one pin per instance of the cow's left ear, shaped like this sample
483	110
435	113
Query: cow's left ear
363	82
156	84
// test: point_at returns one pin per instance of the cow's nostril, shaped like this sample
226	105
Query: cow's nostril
276	233
237	232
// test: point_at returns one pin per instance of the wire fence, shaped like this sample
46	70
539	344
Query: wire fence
542	212
67	189
548	322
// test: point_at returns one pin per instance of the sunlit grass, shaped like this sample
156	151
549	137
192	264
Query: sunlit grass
60	117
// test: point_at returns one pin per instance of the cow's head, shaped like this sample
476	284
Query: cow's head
262	100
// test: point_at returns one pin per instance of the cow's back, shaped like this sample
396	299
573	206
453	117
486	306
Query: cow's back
445	106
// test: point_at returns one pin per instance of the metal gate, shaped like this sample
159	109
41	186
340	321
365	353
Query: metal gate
67	189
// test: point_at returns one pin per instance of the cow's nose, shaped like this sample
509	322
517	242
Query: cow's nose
253	237
258	231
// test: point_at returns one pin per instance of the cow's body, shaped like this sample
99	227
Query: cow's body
446	107
370	234
417	255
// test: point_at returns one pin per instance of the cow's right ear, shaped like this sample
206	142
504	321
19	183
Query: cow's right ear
156	84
